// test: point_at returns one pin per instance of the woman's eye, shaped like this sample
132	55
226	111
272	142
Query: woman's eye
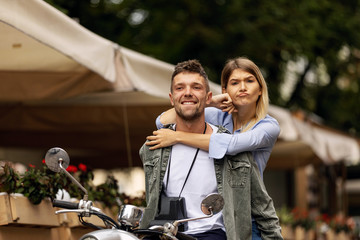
251	80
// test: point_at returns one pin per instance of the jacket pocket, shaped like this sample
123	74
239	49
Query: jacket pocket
151	171
239	173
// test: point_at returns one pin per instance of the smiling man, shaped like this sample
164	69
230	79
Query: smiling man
181	170
189	94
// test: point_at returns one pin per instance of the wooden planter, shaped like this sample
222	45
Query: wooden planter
20	219
299	233
332	235
287	232
302	234
16	209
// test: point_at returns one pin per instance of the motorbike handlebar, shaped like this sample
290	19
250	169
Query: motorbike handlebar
65	204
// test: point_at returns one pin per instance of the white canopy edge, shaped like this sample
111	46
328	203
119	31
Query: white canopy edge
288	132
46	24
330	147
150	75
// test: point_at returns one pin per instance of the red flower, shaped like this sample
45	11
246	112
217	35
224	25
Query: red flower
43	161
82	167
326	218
32	166
72	168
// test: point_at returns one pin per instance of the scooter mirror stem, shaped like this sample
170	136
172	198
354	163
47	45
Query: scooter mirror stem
177	222
85	198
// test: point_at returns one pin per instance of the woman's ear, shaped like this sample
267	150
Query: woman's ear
223	90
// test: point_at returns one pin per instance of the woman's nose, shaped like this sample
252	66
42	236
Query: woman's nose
242	86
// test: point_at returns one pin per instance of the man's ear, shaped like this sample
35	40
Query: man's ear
223	90
171	100
208	98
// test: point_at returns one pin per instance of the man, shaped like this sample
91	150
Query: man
184	171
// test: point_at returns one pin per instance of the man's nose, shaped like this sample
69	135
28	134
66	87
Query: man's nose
188	91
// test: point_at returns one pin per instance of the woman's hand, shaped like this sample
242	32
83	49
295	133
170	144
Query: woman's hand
161	138
223	102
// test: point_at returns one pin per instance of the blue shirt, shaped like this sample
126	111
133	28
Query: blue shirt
259	140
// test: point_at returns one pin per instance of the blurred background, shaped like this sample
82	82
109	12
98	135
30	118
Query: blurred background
308	51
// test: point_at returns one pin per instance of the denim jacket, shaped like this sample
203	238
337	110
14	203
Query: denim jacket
238	181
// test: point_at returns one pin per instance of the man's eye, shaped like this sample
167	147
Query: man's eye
234	83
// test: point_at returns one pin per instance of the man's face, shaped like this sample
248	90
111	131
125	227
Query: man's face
189	96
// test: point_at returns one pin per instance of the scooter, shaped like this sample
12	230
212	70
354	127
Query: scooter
127	225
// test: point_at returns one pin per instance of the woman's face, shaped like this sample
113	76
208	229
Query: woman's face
243	88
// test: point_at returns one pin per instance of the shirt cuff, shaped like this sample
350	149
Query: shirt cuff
159	125
218	145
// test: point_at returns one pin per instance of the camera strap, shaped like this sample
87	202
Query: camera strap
192	164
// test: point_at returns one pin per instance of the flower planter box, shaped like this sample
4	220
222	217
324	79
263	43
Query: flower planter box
8	232
302	234
287	232
16	209
332	235
20	219
298	233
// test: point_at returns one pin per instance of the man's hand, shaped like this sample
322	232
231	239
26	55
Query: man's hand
161	138
223	102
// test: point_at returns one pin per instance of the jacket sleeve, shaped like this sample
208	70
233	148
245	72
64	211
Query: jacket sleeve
262	207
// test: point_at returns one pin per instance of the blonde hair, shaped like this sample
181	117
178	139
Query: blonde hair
249	66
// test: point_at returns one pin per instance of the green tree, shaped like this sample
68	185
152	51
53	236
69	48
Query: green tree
321	36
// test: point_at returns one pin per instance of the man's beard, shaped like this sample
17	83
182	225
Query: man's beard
189	117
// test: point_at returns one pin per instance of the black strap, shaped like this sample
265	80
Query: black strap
192	164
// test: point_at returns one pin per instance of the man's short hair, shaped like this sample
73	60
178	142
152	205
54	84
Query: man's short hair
190	66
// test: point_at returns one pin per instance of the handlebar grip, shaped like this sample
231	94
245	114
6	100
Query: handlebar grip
65	204
183	236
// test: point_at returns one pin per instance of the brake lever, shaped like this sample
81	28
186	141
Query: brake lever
82	212
70	211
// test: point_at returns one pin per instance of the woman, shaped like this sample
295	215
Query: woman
242	109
